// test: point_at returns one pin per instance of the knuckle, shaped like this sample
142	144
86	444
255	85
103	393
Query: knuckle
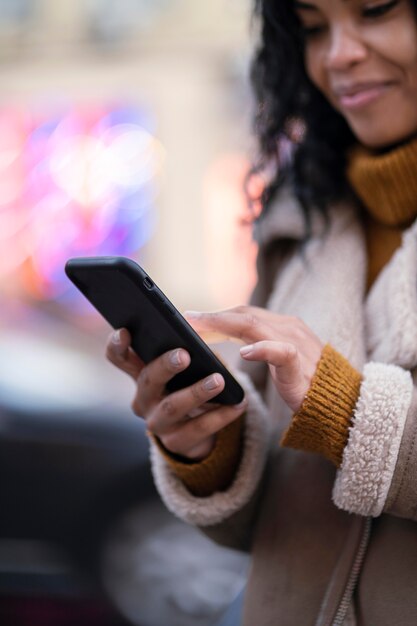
251	320
167	408
241	309
291	352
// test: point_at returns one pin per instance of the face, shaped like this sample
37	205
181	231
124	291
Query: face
362	55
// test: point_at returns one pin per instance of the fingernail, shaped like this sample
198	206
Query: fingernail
245	350
241	405
116	337
211	383
175	358
192	314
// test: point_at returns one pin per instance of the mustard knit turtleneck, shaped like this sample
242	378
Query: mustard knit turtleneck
386	183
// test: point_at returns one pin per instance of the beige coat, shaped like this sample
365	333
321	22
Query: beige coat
328	547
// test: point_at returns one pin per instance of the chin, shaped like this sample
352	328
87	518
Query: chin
384	135
383	141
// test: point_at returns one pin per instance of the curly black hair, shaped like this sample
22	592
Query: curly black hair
286	100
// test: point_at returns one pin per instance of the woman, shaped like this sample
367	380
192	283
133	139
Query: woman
316	471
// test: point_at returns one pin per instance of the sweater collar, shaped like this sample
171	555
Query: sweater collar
285	219
386	182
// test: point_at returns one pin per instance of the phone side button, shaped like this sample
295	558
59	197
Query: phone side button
159	295
170	308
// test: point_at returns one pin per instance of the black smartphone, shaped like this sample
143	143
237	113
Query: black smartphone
127	297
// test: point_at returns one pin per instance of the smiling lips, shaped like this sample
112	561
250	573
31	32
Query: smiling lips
359	95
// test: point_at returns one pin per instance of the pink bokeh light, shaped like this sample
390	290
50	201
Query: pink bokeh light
81	181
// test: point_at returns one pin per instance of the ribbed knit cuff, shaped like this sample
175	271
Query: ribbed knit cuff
322	423
217	471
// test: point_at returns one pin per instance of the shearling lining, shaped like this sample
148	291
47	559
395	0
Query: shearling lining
216	508
369	458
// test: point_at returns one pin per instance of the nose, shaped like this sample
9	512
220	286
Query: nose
346	48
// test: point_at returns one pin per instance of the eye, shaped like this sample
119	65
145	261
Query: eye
309	32
379	9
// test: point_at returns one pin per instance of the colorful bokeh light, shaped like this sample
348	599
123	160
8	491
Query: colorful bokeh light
78	182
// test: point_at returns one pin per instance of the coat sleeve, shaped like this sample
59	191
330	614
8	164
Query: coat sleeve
372	453
402	495
379	467
234	505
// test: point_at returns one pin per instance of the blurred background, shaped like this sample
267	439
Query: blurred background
124	129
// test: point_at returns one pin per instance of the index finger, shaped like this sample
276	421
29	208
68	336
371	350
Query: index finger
246	323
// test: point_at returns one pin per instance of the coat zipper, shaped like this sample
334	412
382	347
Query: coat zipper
353	576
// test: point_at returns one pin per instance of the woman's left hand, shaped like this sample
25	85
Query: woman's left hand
287	344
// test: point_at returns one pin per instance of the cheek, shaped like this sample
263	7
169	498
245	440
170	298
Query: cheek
312	67
409	64
315	71
397	49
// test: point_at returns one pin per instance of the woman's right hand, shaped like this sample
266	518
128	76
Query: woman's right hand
183	420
